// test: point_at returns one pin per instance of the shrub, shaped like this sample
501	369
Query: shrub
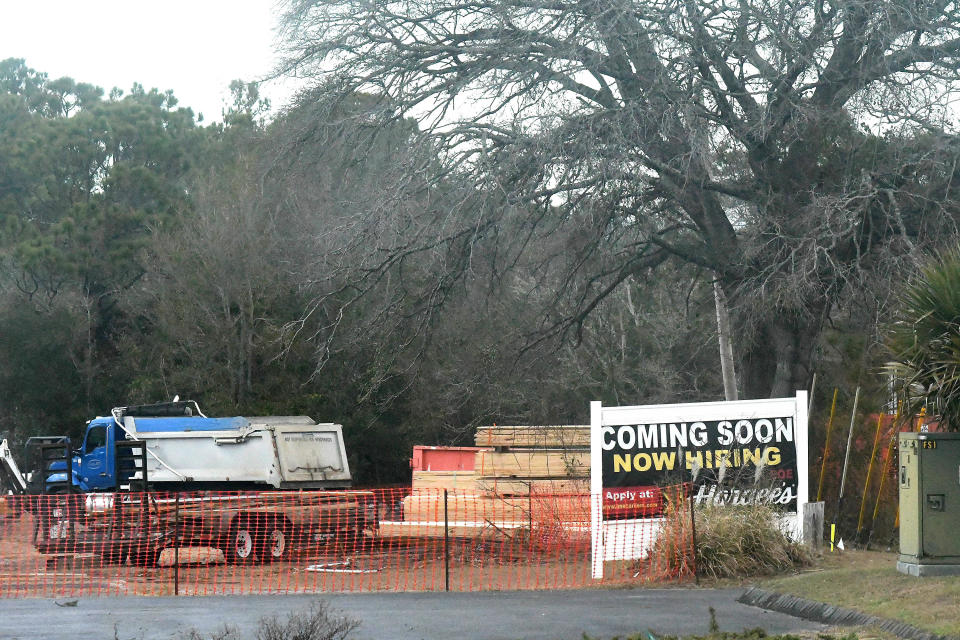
316	623
745	540
733	541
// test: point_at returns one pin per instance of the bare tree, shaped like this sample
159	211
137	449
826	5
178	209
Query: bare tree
771	143
218	285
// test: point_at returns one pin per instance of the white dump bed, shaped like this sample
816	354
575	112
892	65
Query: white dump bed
280	451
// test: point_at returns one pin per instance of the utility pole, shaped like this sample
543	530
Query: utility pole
726	347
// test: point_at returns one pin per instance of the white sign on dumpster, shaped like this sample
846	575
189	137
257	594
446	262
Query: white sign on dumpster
725	453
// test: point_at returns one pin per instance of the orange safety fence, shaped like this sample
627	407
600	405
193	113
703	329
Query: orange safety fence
258	542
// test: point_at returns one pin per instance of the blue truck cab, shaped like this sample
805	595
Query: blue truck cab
94	463
94	466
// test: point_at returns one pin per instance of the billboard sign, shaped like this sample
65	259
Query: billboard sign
741	452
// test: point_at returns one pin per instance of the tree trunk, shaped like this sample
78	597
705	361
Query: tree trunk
778	361
726	347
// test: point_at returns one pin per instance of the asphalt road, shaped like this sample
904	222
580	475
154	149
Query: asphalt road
553	615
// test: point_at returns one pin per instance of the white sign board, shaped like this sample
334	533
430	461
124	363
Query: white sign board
742	452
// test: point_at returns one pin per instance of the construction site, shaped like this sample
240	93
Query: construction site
512	512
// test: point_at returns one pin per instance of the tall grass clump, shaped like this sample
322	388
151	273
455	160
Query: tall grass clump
732	541
745	540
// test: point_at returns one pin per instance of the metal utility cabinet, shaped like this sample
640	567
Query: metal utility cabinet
929	475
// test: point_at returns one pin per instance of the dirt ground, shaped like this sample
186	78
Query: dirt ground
387	564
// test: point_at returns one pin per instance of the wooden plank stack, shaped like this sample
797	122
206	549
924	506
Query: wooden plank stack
492	508
515	461
542	460
515	470
539	437
532	464
432	481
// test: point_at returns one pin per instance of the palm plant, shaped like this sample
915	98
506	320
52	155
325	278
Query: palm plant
925	342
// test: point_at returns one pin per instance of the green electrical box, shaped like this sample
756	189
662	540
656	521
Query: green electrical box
929	477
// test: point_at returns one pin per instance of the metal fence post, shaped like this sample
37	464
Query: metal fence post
176	545
693	537
530	518
446	544
693	530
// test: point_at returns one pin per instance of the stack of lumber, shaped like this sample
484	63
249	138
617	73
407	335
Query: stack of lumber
535	486
539	437
498	509
464	481
533	460
517	461
533	464
521	475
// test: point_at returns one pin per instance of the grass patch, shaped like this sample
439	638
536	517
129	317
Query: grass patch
868	581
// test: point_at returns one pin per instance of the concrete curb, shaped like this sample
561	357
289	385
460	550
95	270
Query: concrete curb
829	614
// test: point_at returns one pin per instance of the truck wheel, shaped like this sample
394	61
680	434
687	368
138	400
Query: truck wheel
240	545
112	553
275	544
144	555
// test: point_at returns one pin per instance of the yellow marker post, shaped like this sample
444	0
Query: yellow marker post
866	485
826	444
833	534
883	474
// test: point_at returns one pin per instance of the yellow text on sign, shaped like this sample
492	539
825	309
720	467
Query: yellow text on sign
711	459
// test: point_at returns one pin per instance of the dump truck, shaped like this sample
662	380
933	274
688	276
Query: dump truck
149	477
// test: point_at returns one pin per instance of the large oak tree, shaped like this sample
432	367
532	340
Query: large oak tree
771	145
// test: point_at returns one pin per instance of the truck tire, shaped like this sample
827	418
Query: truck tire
144	555
276	543
111	552
241	543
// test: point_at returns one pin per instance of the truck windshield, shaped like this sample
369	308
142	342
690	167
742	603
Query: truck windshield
96	437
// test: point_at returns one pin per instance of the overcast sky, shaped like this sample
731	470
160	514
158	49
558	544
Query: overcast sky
193	47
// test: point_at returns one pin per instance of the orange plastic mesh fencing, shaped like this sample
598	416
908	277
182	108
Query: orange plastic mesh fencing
324	541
